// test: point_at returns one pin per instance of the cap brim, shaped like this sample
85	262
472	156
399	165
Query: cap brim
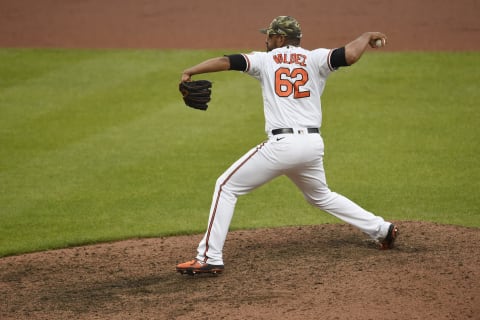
264	31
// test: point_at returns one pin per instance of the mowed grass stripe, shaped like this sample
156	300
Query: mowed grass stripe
97	145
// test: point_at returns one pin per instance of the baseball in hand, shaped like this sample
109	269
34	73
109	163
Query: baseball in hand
378	43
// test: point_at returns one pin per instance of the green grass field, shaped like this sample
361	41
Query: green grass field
98	146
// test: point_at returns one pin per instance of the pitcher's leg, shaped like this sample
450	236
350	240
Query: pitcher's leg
221	212
350	212
312	181
246	174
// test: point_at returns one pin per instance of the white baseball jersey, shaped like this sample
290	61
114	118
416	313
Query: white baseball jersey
292	98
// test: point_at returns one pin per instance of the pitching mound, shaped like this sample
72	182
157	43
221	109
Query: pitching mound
311	272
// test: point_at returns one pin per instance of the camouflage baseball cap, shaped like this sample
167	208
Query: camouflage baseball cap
285	26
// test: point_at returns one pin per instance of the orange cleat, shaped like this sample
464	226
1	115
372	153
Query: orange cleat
195	266
389	240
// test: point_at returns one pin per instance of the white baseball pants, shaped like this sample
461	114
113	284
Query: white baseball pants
300	158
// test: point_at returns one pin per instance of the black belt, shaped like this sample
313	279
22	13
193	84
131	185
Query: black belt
290	130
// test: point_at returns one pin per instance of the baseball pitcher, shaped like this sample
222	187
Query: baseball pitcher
292	80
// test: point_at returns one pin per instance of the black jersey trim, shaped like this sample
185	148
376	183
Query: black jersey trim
238	62
337	59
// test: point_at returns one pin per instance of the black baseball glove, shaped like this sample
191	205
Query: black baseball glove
196	94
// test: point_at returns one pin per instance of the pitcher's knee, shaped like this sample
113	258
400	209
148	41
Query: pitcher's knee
222	187
321	200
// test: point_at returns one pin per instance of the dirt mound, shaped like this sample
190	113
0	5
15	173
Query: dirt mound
324	271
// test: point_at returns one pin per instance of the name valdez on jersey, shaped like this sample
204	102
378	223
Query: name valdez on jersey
292	58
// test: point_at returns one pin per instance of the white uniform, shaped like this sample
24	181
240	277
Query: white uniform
292	80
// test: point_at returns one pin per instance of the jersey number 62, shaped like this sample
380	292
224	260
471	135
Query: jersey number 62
291	82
